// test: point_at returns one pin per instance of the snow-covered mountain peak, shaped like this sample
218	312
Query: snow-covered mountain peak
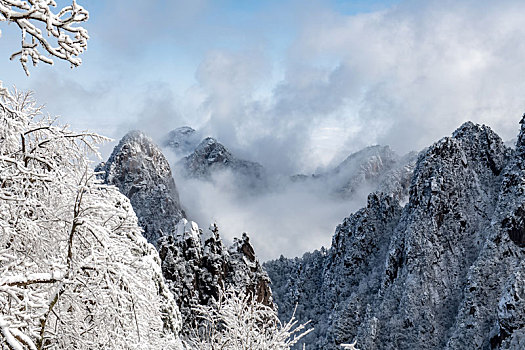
213	152
182	140
375	157
142	173
211	157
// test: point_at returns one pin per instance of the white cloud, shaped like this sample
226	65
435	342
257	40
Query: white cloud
404	76
288	220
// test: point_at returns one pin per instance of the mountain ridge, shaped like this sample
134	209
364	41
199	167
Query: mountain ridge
422	275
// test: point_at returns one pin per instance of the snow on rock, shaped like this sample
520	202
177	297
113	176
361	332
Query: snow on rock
182	140
141	172
442	272
188	231
211	157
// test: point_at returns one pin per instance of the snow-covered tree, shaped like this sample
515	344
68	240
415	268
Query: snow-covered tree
236	321
75	271
43	25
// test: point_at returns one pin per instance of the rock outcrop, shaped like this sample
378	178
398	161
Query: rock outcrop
141	172
197	265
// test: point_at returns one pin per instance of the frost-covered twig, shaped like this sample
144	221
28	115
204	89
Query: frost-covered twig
36	17
350	346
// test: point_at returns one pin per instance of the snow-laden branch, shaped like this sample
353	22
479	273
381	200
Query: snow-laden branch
32	278
58	33
350	346
237	321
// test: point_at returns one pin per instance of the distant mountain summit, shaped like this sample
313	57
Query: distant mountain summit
182	140
211	157
370	169
142	173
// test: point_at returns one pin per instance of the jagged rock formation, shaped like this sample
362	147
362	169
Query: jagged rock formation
211	157
140	171
363	167
442	272
182	140
197	265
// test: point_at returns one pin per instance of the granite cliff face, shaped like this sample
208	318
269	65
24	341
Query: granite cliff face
442	272
140	171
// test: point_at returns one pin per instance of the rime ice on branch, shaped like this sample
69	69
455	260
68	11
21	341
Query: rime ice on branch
57	33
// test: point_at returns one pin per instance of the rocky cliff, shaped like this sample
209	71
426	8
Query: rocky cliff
141	172
442	272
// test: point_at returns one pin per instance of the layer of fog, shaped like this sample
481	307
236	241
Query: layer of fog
287	218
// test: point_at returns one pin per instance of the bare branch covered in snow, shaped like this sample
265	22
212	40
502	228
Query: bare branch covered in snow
42	26
350	346
237	321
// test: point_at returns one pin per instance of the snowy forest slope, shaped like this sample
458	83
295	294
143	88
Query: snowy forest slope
444	271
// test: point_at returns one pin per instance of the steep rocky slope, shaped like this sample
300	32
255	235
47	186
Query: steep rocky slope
444	271
140	171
